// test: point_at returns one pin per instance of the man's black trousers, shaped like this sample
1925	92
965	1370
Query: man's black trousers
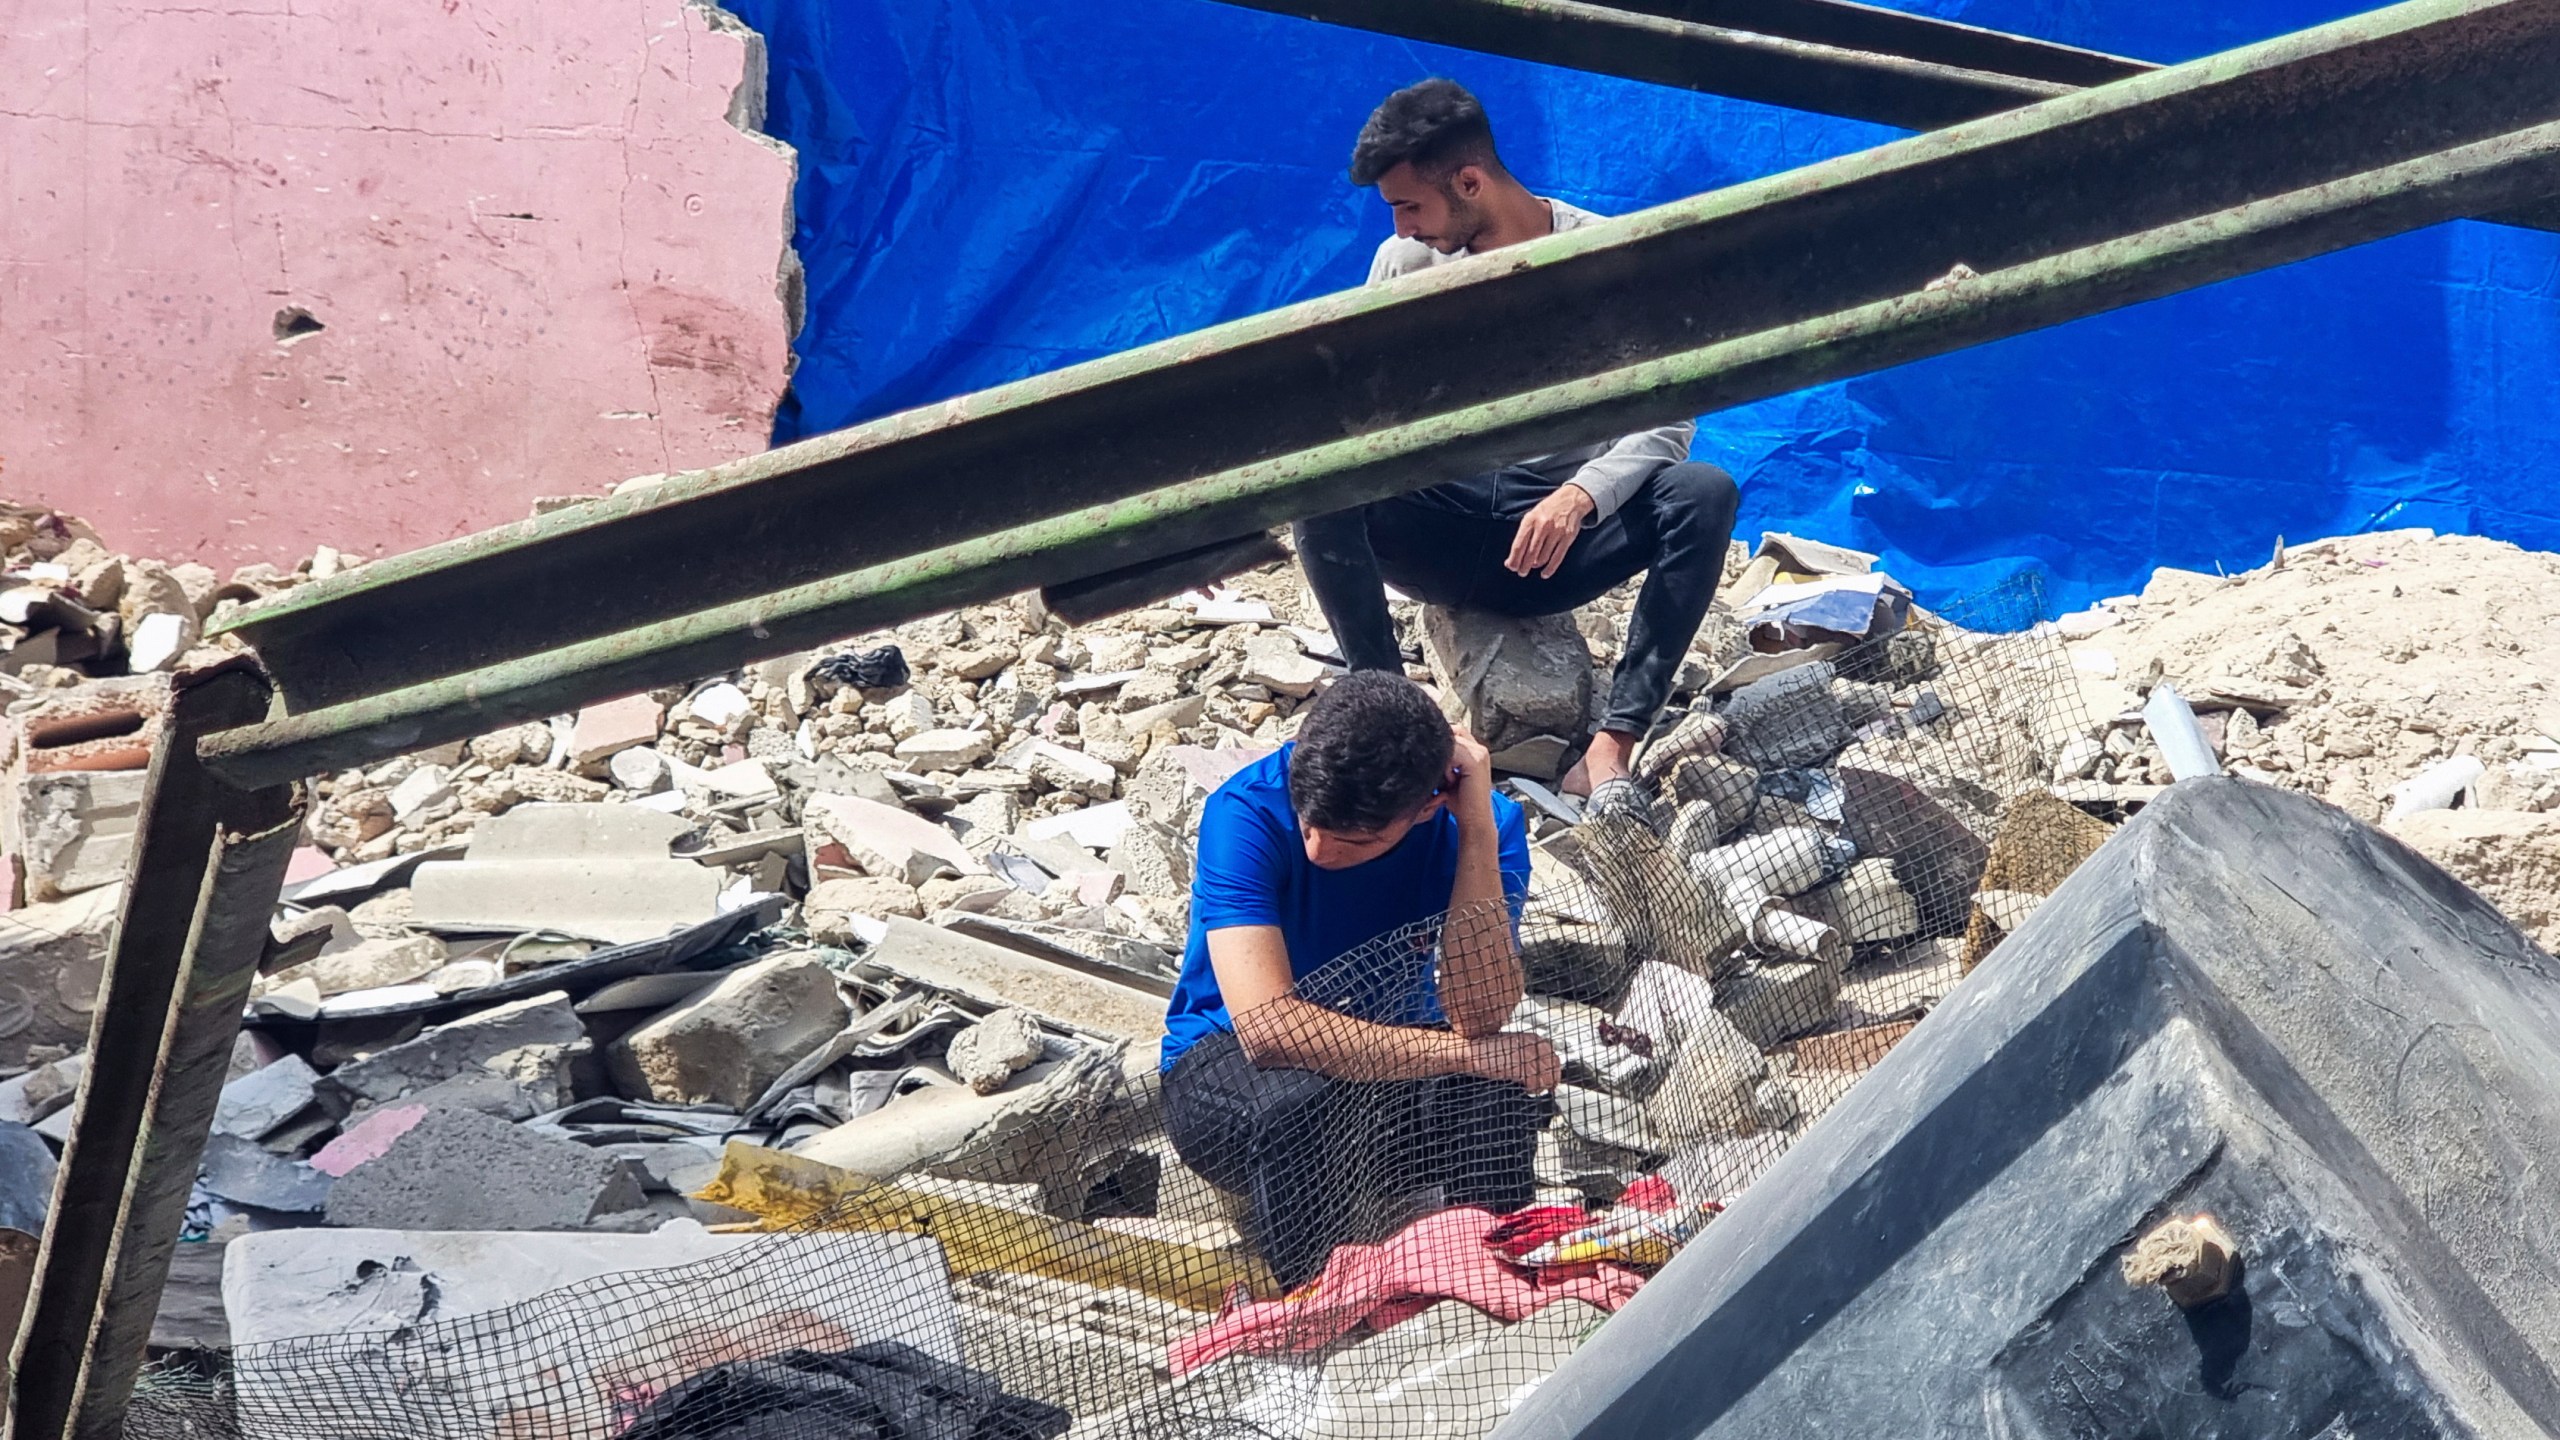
1321	1162
1446	545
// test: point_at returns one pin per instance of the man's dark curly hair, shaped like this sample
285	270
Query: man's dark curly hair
1437	125
1370	750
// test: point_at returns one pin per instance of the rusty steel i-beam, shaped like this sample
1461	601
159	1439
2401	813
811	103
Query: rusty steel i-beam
2367	127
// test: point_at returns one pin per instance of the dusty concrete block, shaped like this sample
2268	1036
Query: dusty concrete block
726	1045
848	835
366	965
265	1098
928	750
419	789
53	957
72	830
1073	771
456	1170
599	871
987	1054
458	1047
1509	679
514	1084
1153	862
828	911
606	730
1273	660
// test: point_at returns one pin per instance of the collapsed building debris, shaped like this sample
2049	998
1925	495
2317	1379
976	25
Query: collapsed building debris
2186	1031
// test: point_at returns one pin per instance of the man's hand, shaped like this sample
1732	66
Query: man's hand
1549	531
1523	1059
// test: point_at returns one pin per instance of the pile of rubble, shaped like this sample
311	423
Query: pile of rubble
910	907
2408	678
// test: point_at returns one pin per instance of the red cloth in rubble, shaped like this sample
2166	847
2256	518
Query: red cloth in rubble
1439	1257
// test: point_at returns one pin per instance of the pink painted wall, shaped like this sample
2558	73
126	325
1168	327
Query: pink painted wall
544	260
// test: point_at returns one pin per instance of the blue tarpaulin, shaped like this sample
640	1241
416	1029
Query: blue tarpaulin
994	188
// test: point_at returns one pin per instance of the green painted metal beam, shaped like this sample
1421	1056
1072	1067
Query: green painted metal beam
1825	56
2370	126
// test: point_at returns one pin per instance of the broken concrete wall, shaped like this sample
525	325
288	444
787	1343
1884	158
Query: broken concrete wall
278	275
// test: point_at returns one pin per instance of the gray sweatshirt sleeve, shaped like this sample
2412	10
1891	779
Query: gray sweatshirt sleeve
1613	474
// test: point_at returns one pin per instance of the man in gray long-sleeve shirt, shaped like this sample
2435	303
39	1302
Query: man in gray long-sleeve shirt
1544	534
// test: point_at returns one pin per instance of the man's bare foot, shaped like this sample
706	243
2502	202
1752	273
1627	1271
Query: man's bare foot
1606	760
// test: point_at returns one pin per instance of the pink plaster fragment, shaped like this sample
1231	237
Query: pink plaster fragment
309	862
367	1139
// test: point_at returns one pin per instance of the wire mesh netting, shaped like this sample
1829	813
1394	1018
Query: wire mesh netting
1389	1203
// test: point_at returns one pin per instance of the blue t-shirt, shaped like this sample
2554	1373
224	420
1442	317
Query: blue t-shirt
1252	869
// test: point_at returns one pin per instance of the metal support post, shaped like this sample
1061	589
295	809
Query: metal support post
208	862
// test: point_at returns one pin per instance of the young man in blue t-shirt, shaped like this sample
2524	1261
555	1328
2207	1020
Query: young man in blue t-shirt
1334	1050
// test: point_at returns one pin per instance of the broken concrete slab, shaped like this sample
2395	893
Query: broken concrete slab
929	750
1510	679
417	1293
365	965
1061	768
828	911
997	977
848	835
457	1047
53	957
1273	660
1096	827
244	1173
2190	1024
458	1170
726	1045
606	730
72	830
598	871
265	1098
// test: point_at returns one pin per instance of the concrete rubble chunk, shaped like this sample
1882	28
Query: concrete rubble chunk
265	1098
419	789
1788	720
43	1092
72	830
726	1045
987	1054
1073	771
1273	660
827	914
998	977
366	965
602	872
607	730
458	1170
1153	862
457	1047
929	750
53	958
1096	827
848	835
242	1172
1509	679
1777	1002
639	769
2247	1005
